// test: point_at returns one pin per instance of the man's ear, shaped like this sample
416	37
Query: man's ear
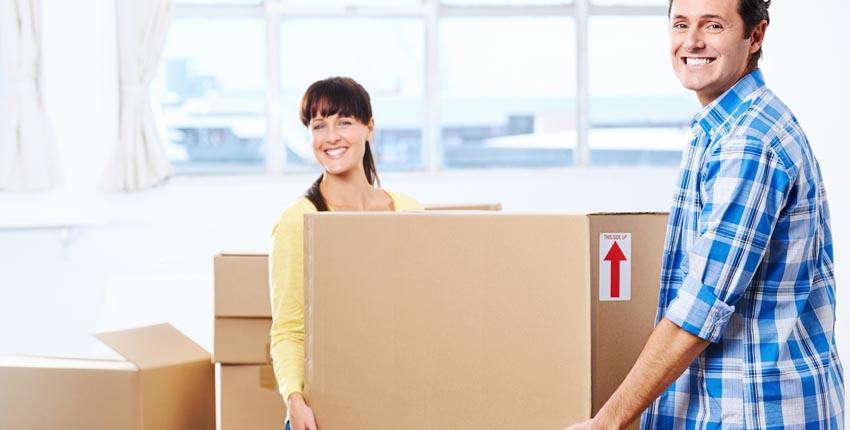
757	36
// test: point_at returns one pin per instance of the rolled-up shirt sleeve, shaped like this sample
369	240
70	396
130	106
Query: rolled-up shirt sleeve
744	188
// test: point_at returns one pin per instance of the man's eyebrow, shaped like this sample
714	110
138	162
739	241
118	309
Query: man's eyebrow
706	16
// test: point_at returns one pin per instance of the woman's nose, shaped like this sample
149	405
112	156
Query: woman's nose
332	135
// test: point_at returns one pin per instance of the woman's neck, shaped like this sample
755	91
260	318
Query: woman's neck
351	192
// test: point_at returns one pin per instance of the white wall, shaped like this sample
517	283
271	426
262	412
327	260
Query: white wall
805	67
148	256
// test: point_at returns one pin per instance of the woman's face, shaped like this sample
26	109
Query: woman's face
339	142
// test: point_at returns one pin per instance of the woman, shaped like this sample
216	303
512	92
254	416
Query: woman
338	113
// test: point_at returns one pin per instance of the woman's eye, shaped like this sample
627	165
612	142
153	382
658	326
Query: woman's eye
318	126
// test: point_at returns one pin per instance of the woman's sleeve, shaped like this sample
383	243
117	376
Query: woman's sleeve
286	284
405	203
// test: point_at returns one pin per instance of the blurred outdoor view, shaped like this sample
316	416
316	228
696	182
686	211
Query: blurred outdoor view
507	87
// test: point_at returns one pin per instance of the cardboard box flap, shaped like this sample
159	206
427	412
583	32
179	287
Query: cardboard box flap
242	254
154	346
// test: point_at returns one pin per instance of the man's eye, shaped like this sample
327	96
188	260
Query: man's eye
715	27
680	26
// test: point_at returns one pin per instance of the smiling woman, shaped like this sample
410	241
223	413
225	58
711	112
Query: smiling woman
338	112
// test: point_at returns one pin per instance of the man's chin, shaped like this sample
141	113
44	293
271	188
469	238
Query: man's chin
692	84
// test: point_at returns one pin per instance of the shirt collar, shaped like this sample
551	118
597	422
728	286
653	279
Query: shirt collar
716	113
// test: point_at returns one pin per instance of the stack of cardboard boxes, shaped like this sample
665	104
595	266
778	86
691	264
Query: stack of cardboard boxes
246	393
413	321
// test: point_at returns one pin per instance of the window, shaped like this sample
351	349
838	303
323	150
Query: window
507	94
319	5
390	68
504	2
211	86
454	83
218	2
638	115
630	2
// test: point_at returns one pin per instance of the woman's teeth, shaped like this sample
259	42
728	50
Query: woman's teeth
335	152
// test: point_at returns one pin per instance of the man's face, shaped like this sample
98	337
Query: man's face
707	45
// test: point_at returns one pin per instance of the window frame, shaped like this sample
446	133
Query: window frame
273	12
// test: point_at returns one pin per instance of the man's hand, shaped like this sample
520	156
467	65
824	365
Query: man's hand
667	354
300	415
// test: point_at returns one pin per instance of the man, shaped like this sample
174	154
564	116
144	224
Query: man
747	303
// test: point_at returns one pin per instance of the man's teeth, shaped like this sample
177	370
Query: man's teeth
336	152
697	60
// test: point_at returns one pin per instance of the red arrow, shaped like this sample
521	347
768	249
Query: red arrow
615	256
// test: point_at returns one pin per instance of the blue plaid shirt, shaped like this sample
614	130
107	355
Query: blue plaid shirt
748	266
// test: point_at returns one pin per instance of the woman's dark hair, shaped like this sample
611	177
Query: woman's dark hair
752	13
343	96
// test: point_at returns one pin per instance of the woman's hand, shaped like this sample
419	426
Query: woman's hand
300	415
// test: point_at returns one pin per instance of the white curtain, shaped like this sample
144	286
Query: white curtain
139	161
27	145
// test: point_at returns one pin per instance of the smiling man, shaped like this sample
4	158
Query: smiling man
746	313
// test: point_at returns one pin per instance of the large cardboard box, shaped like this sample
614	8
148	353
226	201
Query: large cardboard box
248	398
242	286
165	383
242	340
474	321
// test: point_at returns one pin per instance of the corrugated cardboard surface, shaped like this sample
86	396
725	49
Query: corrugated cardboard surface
464	207
169	386
249	398
422	321
620	328
242	340
179	397
242	285
34	396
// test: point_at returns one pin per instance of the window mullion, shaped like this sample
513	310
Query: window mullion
432	154
275	146
582	149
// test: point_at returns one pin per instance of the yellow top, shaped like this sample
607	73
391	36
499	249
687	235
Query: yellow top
286	284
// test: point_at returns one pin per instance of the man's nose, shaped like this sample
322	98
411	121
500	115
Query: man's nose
694	40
